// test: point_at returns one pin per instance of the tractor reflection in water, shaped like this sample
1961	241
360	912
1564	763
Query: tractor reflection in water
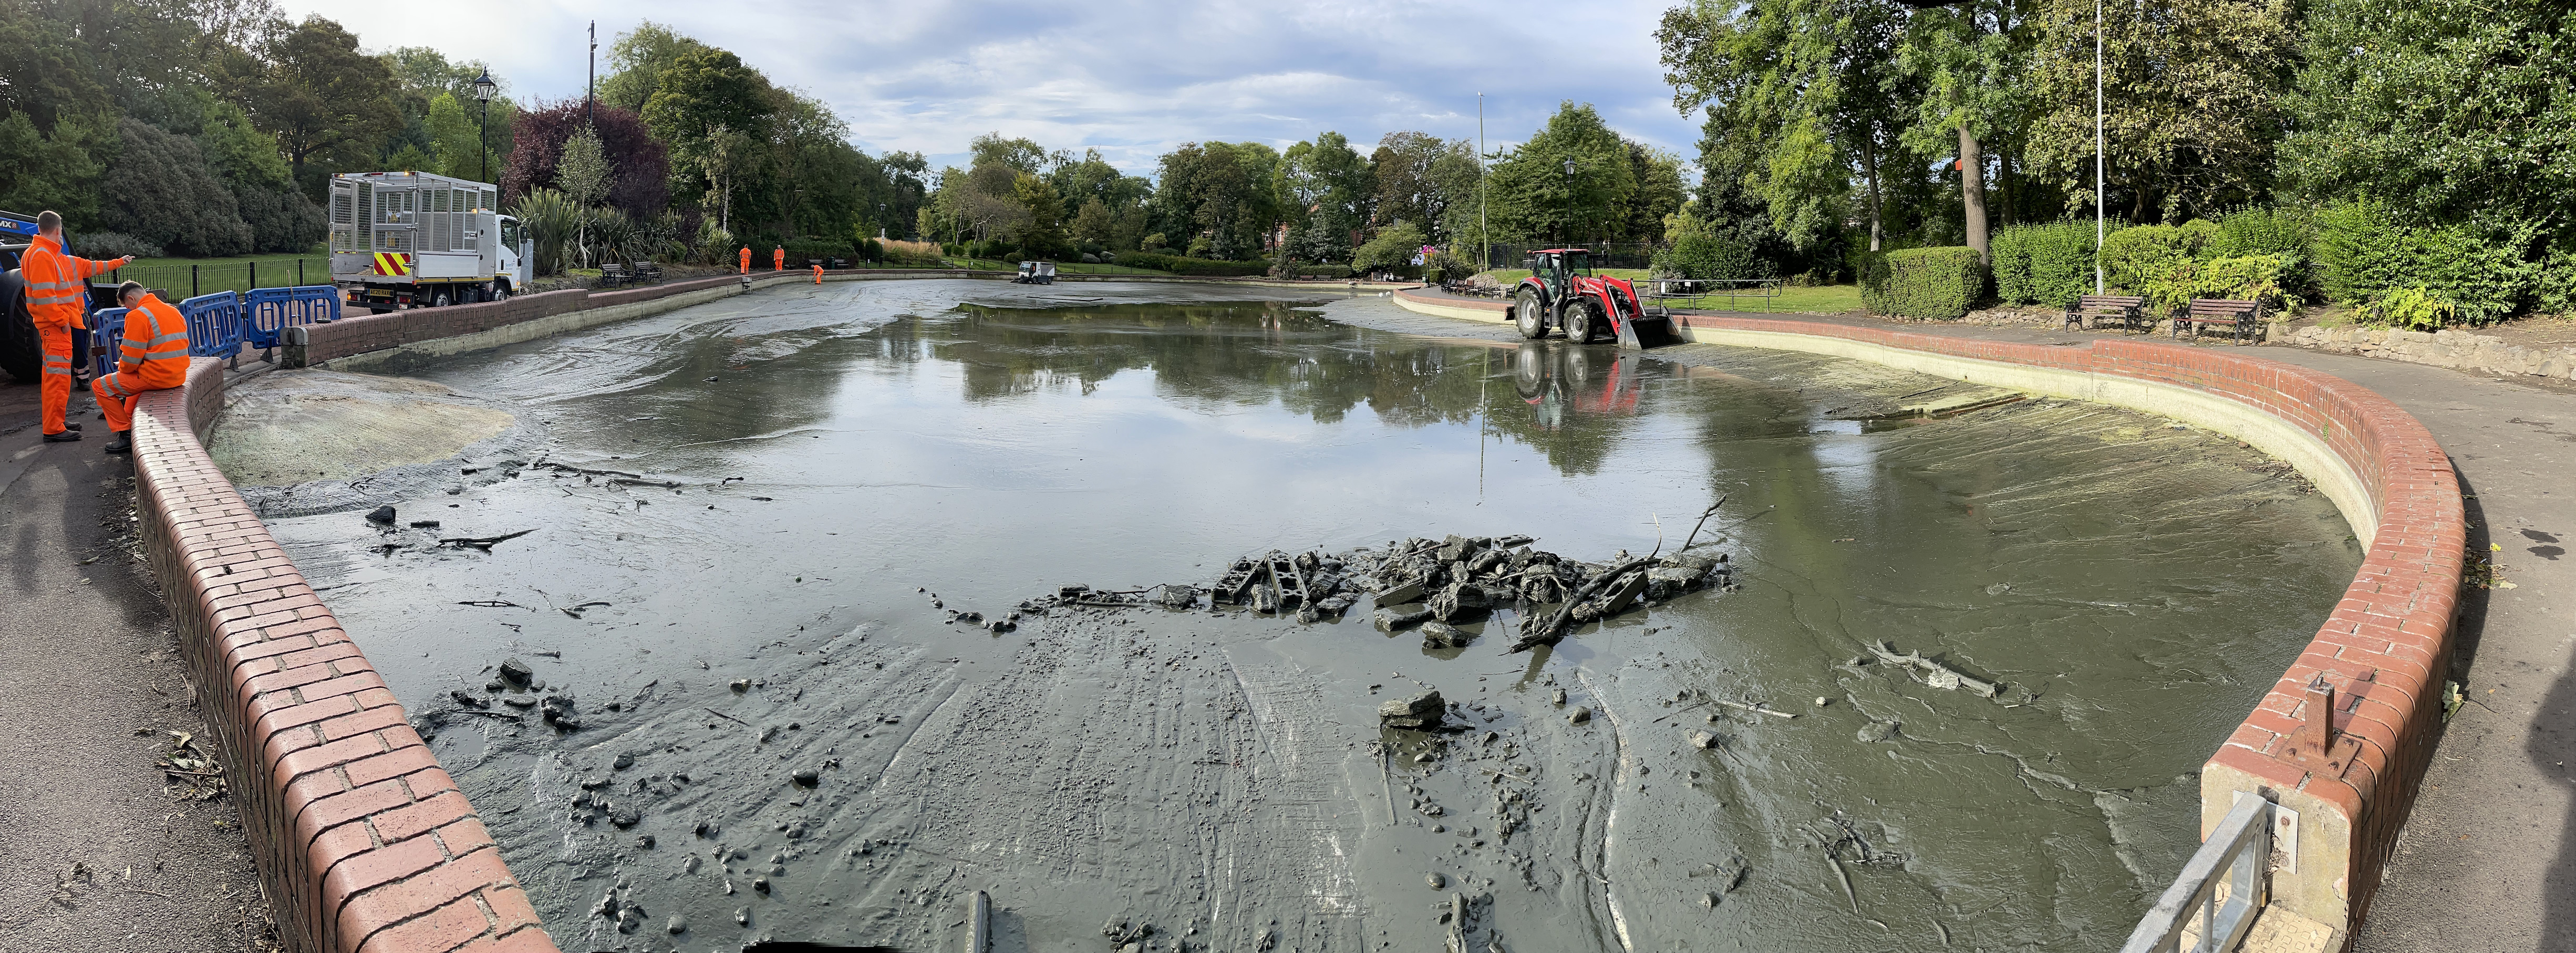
1554	380
1561	291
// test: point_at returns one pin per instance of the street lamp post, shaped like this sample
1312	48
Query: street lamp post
484	89
1569	198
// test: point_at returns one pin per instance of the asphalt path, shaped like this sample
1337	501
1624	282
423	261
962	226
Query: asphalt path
94	853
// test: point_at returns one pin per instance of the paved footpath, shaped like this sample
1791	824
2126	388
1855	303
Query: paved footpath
93	854
2487	864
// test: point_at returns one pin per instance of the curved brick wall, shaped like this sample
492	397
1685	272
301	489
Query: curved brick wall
2385	648
364	843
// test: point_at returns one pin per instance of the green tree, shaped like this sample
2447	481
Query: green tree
1536	198
1223	193
2445	110
637	60
1393	249
58	169
1969	59
162	190
1092	225
328	104
2192	95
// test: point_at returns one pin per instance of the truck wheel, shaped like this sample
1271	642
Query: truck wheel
1529	316
442	300
1579	321
21	354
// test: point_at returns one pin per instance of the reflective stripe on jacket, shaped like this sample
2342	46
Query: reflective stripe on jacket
57	284
156	345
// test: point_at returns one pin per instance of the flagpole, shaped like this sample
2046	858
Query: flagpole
2097	147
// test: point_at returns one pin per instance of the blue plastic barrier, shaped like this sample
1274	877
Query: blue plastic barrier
106	326
269	311
215	324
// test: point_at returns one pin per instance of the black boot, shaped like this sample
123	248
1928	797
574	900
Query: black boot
123	442
71	427
63	437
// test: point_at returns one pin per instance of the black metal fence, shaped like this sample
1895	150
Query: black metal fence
1604	254
191	280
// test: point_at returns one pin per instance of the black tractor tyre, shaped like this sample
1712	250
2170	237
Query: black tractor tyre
1529	315
21	353
1580	321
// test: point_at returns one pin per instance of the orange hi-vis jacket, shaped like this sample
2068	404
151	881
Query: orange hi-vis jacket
57	284
746	259
156	346
778	259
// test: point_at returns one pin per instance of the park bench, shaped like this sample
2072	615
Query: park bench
2241	319
612	274
647	271
2096	310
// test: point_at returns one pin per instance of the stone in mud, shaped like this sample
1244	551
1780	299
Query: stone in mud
760	884
1557	696
622	762
1389	620
740	685
468	701
1437	881
1401	594
1878	731
1422	710
1124	930
999	626
1703	740
1071	592
645	842
629	918
807	777
742	916
677	925
1579	715
625	817
516	672
1177	596
1442	635
383	516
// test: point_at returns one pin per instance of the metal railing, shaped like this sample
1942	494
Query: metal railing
2221	890
1705	293
192	280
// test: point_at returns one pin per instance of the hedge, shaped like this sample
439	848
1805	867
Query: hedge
2044	264
1929	284
1179	265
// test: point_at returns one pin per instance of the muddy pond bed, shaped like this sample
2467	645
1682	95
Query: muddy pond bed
1949	690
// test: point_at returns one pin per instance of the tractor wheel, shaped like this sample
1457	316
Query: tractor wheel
1580	321
1529	315
21	354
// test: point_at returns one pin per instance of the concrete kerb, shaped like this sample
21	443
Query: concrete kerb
2386	646
361	840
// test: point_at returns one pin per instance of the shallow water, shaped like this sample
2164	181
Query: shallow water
841	454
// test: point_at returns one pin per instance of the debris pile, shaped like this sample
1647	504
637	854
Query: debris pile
1309	583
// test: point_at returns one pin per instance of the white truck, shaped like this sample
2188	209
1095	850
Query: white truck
413	239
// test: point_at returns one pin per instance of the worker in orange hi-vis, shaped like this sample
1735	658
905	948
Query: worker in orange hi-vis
154	357
778	258
746	259
818	274
57	287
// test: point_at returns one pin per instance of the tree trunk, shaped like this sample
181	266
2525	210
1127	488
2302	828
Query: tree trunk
1869	164
1972	191
2005	211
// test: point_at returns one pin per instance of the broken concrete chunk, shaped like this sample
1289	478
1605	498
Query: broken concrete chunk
1401	594
1579	715
383	516
516	672
1878	731
1703	740
1389	620
1442	635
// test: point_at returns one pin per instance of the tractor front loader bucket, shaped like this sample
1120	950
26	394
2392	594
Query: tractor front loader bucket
1648	331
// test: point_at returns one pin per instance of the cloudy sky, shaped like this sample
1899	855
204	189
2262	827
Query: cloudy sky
1132	80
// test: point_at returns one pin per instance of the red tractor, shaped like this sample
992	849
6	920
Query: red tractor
1562	291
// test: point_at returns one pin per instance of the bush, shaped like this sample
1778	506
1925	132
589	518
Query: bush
2416	308
2486	273
902	254
2044	264
2284	231
1709	255
2134	257
160	188
1179	265
1324	271
1930	284
1392	250
112	245
1451	264
2246	278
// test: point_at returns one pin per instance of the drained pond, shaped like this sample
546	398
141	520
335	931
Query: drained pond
1948	689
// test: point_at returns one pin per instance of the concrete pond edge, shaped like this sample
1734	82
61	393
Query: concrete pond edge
2385	648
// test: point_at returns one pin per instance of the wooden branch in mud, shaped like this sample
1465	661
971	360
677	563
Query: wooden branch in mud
1703	521
1543	630
484	543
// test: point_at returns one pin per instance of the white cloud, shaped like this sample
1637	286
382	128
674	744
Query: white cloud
1132	80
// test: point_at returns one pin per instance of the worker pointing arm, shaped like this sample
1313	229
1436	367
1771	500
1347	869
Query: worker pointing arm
57	284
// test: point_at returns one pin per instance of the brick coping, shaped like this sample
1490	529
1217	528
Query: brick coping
364	843
2386	646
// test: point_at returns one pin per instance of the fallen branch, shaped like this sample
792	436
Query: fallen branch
484	543
1542	630
727	717
1756	709
1703	521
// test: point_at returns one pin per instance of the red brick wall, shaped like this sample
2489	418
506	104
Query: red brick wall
363	841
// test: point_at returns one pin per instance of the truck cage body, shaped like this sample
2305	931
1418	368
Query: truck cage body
403	228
